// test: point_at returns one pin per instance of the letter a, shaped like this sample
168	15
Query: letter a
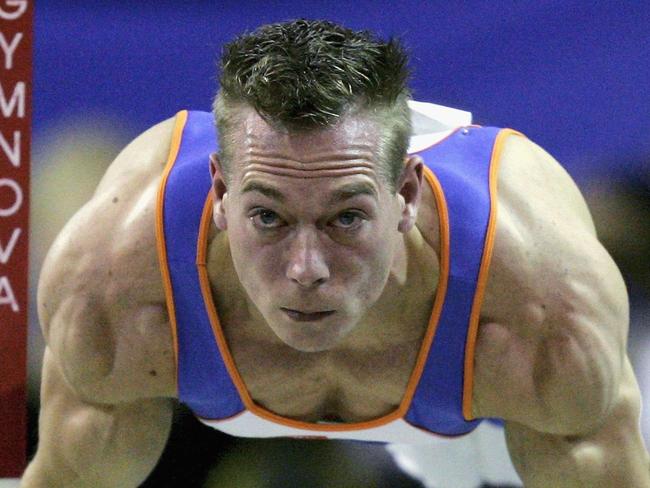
7	294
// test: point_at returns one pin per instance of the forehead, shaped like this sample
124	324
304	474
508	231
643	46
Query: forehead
354	139
355	127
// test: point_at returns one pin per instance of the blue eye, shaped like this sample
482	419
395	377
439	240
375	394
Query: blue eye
266	219
348	220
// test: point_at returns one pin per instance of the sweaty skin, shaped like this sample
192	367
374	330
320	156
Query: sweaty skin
550	355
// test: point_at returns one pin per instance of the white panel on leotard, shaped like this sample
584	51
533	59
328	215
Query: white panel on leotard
431	123
247	424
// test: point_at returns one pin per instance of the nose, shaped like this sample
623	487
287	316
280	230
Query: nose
307	265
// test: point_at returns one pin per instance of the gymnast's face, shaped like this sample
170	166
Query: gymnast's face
312	228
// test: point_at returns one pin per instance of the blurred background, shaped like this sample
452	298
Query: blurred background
573	76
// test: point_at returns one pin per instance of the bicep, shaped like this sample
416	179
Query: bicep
84	444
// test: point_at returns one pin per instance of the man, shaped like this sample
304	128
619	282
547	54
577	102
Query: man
319	281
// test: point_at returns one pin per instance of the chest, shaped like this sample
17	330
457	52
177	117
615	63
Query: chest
344	385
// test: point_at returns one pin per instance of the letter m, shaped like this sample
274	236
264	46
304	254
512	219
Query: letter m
17	98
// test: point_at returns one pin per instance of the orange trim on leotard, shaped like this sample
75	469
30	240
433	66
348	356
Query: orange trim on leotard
441	291
422	355
179	125
472	332
206	291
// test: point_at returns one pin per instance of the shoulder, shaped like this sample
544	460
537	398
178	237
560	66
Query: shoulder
554	318
100	291
527	173
143	157
104	231
545	237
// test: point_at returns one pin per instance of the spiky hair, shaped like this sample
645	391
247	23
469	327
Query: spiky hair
305	74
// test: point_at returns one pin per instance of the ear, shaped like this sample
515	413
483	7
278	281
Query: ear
409	192
219	192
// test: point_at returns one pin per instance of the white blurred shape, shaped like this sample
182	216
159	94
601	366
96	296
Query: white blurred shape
465	462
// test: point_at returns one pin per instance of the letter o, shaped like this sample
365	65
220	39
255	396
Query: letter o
8	212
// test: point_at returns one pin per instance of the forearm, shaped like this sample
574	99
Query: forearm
85	445
96	449
613	455
561	462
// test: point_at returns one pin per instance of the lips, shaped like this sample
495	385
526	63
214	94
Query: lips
301	316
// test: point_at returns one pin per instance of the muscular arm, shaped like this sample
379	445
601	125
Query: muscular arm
108	373
94	445
551	351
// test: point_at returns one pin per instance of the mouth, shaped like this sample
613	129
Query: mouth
299	316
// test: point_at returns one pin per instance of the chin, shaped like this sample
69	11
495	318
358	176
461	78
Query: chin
308	343
310	347
312	338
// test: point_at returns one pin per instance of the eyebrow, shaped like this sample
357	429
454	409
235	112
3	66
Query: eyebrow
345	192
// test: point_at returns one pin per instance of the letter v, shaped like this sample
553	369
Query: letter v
5	254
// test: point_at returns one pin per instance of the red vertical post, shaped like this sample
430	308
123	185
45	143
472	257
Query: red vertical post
16	24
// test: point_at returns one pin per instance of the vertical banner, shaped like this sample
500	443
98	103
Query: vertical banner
16	18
